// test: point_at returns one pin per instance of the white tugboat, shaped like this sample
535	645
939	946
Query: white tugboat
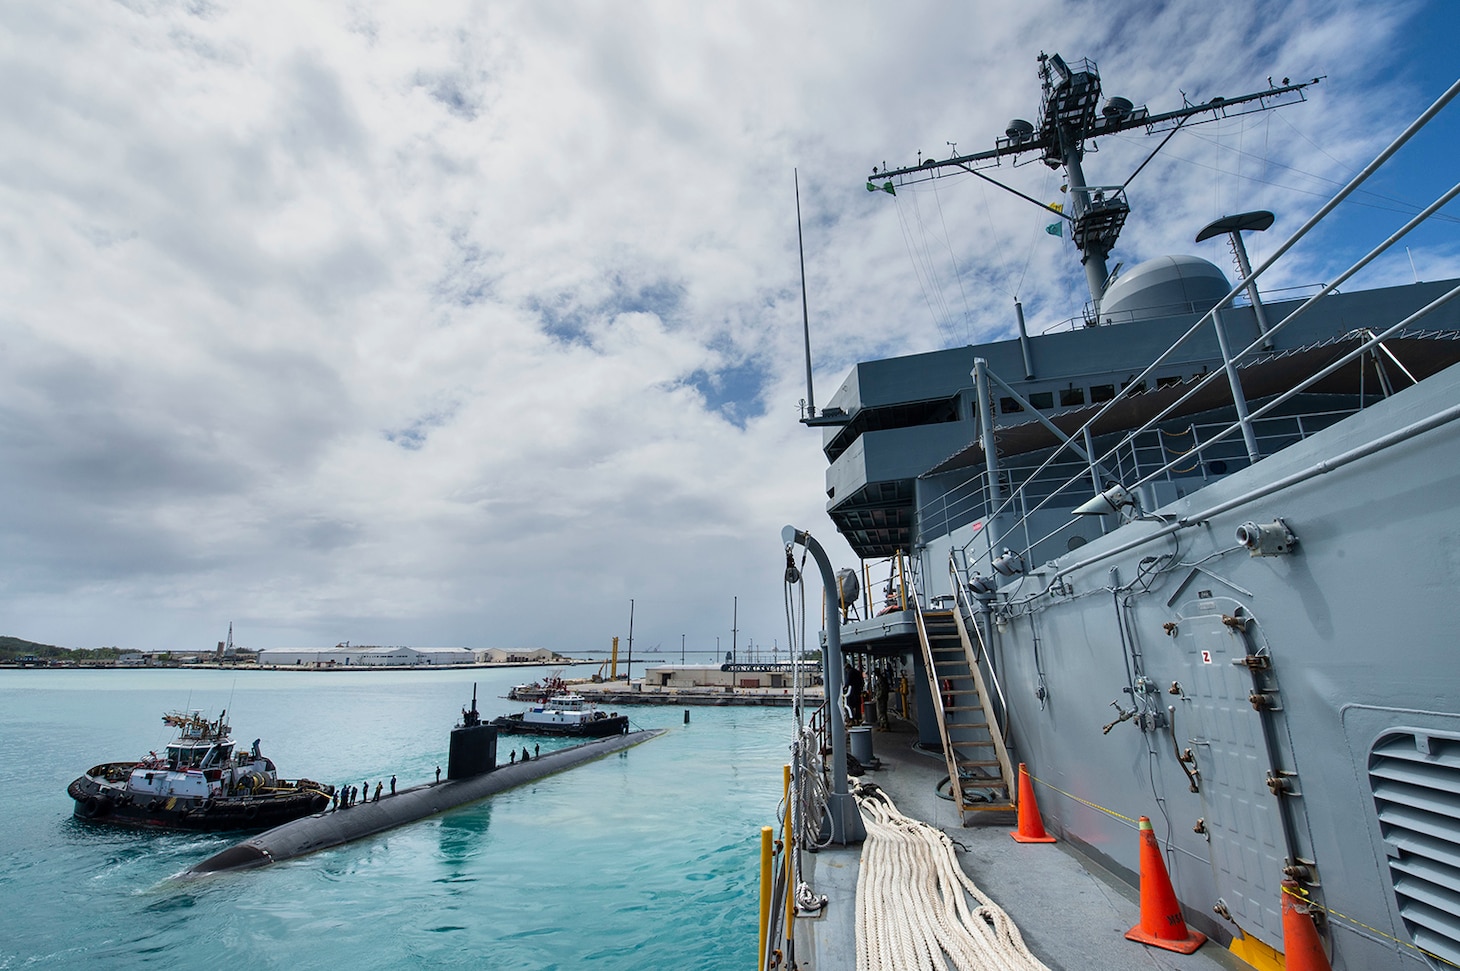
564	714
200	783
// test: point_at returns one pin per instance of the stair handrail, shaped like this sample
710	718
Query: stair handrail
956	582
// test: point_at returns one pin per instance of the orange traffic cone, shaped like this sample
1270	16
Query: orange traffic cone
1031	827
1302	950
1161	921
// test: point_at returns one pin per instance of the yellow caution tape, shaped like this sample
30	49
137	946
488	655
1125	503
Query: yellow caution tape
1300	893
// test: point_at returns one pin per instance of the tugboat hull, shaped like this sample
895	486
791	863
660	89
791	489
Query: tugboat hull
594	728
99	801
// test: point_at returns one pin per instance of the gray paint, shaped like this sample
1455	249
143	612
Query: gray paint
337	827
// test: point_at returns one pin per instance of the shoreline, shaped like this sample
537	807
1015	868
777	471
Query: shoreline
302	668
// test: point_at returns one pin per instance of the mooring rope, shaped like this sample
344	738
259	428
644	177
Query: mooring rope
917	909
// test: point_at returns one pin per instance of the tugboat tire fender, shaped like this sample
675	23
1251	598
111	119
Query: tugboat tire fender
250	812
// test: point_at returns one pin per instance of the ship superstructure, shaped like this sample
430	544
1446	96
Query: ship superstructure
1191	559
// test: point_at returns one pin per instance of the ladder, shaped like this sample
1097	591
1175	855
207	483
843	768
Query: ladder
980	775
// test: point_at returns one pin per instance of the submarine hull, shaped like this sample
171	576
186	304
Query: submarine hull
337	827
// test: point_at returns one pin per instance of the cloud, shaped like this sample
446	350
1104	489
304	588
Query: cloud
466	324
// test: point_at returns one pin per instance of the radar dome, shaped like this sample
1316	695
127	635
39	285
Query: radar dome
1165	285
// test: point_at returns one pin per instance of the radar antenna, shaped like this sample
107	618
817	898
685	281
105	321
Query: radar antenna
1069	115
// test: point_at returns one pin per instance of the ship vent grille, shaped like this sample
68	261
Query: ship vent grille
1415	778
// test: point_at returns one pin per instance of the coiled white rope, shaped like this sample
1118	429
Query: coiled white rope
810	789
913	902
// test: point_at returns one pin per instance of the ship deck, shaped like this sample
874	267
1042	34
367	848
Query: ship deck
1072	912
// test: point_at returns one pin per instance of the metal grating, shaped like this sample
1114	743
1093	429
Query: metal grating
1415	778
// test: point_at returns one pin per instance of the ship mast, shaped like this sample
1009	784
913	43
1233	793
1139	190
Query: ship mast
1070	114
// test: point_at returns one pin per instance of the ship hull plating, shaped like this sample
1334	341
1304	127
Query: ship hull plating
1266	688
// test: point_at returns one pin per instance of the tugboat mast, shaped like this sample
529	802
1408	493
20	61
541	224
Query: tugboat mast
1068	116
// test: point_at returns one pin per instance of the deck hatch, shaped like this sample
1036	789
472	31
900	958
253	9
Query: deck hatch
1415	778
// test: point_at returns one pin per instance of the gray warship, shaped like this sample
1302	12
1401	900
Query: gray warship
1192	558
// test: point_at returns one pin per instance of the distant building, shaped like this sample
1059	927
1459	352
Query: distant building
518	655
340	656
714	676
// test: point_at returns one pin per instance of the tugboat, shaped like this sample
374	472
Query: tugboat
538	690
200	784
563	714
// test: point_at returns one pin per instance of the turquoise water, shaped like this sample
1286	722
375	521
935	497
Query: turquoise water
648	858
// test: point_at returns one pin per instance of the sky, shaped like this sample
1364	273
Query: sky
468	323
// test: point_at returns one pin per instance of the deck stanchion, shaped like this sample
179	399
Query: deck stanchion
790	850
766	858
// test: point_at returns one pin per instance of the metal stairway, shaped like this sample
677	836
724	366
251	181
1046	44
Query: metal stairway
978	761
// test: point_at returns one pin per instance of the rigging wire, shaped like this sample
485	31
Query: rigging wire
918	269
999	250
1034	233
967	334
945	323
1366	198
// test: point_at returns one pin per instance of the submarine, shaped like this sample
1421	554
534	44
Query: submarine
472	774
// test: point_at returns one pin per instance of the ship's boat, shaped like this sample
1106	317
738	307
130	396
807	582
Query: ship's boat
1192	557
563	714
200	782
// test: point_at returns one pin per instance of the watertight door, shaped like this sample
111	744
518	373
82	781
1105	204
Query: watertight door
1243	819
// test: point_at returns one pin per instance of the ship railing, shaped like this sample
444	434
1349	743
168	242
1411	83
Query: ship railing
1174	455
896	589
1090	318
1244	427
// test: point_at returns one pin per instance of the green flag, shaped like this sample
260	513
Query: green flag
1056	229
885	187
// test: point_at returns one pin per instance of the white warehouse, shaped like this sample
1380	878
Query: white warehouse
340	656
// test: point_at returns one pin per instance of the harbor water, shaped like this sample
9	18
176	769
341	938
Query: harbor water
647	858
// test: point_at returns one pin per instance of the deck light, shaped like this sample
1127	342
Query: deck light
1008	564
1112	500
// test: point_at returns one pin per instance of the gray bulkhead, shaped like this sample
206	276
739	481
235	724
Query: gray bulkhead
1347	665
